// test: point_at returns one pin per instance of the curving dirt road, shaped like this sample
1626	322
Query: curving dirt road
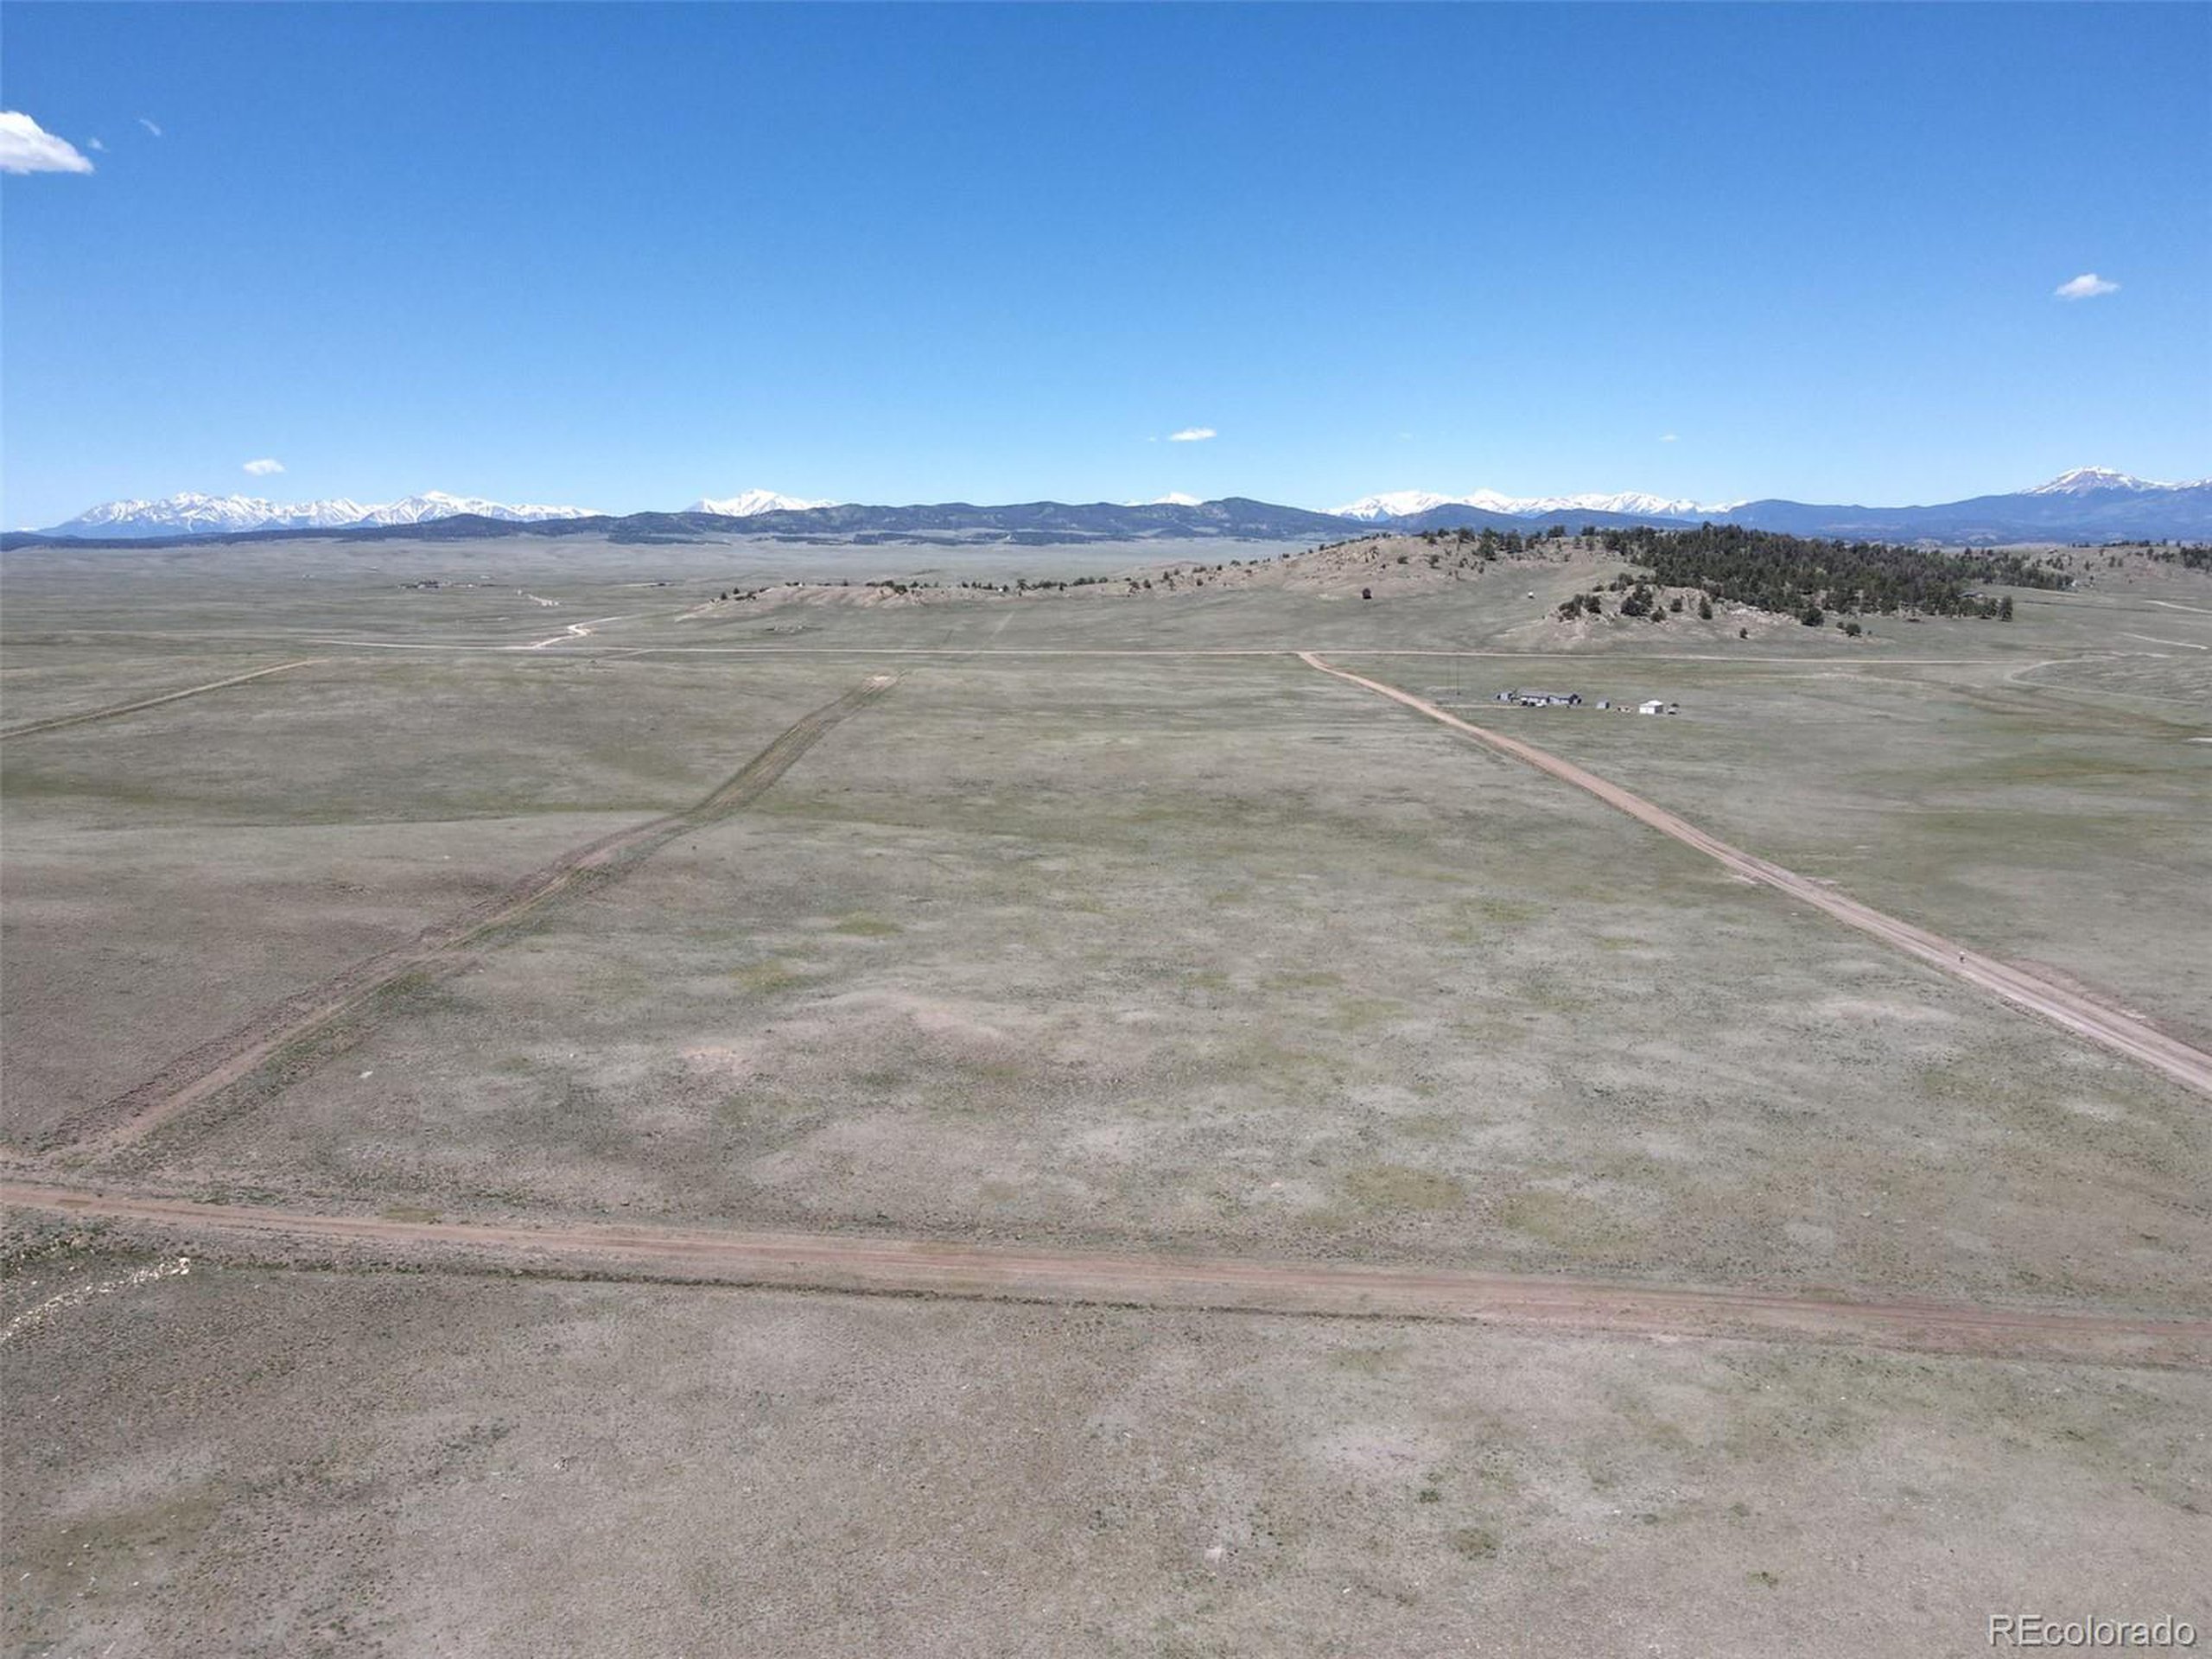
31	728
915	1266
2191	1067
216	1065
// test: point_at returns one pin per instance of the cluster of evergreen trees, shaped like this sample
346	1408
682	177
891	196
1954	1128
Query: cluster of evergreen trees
2190	556
1800	576
1493	543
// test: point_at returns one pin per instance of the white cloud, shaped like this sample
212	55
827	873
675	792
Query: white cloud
263	468
1668	437
26	147
1192	434
149	126
2088	286
94	143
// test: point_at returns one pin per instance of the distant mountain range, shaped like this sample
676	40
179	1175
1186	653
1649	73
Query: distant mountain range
232	515
747	503
2089	503
1411	504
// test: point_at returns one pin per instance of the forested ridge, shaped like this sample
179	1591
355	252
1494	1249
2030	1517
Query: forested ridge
1795	574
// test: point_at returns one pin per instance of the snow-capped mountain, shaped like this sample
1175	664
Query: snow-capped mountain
437	504
202	515
1396	504
2083	480
2090	504
191	514
1631	502
750	502
1404	504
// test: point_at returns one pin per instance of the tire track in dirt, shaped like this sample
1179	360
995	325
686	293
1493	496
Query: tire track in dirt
224	1060
31	728
2084	1017
862	1264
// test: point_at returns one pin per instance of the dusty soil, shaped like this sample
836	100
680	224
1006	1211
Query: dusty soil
306	1464
828	1261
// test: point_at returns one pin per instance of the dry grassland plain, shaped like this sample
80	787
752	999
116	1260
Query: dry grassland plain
1107	925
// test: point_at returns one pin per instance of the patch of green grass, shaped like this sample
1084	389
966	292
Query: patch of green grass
862	926
1369	1361
768	978
1506	912
1362	1013
417	991
1564	1219
1476	1543
1397	1186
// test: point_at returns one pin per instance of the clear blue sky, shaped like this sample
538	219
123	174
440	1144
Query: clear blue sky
632	256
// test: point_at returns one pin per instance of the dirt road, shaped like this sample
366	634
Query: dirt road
2191	1067
31	728
216	1065
915	1266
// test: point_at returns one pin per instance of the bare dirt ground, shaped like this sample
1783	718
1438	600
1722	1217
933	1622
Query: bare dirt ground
825	1261
302	1463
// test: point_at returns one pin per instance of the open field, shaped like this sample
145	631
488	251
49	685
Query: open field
301	1463
1088	924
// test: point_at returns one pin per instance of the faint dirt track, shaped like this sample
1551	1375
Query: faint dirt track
216	1065
32	727
893	1266
2191	1067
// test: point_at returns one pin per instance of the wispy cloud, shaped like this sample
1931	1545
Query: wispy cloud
1668	437
94	143
26	147
263	468
149	126
2088	286
1192	434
